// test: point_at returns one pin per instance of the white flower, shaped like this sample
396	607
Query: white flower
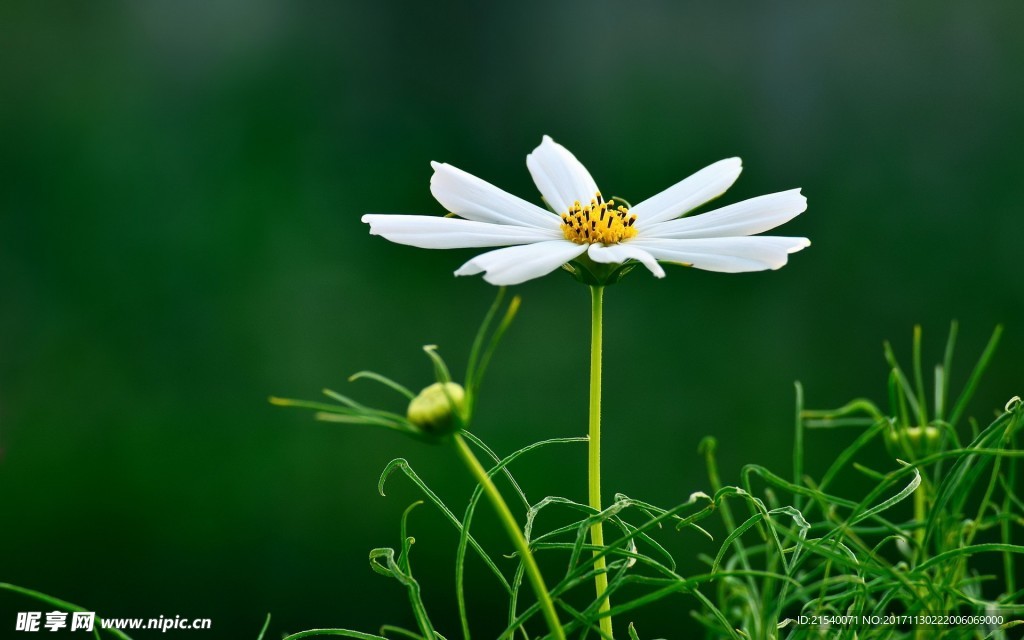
537	241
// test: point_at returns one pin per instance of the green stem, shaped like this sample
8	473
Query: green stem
547	605
920	508
920	515
594	457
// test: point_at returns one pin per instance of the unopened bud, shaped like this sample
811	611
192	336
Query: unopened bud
434	409
922	441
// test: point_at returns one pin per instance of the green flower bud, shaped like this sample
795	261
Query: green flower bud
921	441
434	409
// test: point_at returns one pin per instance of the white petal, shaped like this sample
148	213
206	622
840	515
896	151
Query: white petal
478	200
559	176
513	265
431	232
619	253
707	184
746	218
729	255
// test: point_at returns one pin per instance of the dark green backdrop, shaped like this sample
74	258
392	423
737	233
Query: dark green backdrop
179	238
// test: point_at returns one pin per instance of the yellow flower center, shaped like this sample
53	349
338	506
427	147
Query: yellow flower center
598	222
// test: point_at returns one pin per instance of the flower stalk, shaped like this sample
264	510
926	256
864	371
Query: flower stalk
594	451
508	521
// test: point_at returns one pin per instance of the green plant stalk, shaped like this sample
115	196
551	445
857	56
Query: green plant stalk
547	605
594	451
920	516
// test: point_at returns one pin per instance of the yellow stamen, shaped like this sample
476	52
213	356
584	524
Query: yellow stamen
598	222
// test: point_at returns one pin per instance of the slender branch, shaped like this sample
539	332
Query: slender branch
594	457
515	533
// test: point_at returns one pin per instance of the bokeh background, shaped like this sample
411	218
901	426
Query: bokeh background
182	184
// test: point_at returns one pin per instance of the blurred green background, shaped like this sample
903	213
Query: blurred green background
180	238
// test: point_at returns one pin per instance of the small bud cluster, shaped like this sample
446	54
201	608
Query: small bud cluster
921	441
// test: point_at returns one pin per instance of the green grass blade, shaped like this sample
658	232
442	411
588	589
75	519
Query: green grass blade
382	560
707	448
647	526
905	387
388	382
345	633
263	630
387	628
975	377
501	466
1010	480
440	368
480	444
901	495
955	488
366	421
403	465
947	367
847	454
919	377
481	335
345	400
798	441
499	333
988	547
854	407
352	414
733	535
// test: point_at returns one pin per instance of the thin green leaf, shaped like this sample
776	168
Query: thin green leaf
365	420
480	444
975	377
967	551
733	535
854	407
707	448
499	332
869	472
407	542
460	556
345	400
440	368
947	368
798	440
403	465
263	630
847	454
382	560
478	342
919	377
905	387
310	404
388	382
952	492
1010	480
346	633
901	495
387	628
